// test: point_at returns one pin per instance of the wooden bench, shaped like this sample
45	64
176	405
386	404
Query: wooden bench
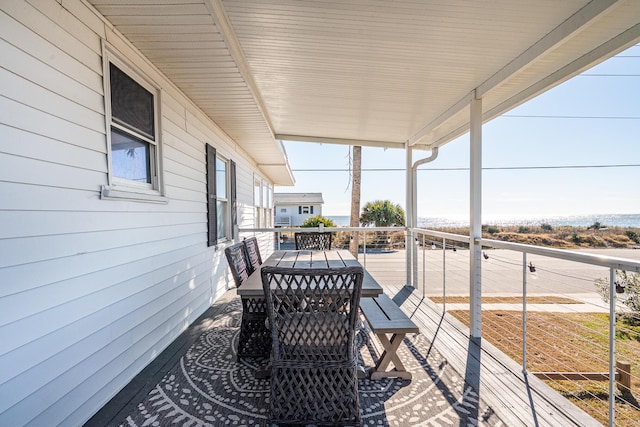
385	317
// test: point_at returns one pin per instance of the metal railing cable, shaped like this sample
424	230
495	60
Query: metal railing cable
583	342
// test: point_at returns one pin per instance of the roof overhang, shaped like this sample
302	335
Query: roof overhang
385	73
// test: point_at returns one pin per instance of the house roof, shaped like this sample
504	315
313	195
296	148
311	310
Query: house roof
370	73
297	199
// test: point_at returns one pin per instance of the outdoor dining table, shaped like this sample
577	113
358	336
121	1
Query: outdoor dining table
333	258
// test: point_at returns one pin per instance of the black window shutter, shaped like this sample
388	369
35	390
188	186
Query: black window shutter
234	207
311	210
299	210
212	215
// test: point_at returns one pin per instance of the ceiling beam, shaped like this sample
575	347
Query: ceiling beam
563	32
340	141
612	47
221	19
353	142
451	111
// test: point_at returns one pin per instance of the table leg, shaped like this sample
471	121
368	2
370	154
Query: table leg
390	355
263	372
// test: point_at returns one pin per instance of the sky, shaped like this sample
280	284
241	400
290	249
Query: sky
591	120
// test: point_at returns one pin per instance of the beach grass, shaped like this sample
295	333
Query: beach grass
569	342
561	237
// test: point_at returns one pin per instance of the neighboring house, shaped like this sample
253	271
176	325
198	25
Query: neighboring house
292	209
118	195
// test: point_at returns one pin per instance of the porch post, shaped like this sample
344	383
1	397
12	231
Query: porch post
409	212
475	249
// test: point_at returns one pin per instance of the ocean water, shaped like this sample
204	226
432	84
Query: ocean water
610	220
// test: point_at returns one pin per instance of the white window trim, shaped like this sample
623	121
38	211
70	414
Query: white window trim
257	201
227	199
269	211
119	188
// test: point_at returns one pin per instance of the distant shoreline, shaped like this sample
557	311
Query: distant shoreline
607	220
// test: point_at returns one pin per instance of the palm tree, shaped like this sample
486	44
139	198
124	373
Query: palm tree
382	213
355	199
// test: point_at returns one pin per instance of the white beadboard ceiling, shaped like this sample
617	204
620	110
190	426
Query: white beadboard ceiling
366	72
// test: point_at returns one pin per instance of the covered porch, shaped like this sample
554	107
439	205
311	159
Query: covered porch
100	281
457	378
198	379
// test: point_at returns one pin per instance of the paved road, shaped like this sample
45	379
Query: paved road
502	272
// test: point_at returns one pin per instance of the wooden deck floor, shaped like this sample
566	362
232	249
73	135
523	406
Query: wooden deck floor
518	400
444	360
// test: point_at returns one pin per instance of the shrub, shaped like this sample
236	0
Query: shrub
576	239
632	235
492	229
546	227
523	229
315	221
629	283
382	213
596	225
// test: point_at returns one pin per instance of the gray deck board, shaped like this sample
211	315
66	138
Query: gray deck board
499	379
140	386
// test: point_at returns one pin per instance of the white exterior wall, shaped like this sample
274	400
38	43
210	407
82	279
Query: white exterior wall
91	290
292	212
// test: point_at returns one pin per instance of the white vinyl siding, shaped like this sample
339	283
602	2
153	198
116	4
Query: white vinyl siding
298	213
92	289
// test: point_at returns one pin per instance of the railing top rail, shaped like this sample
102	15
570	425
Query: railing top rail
449	236
601	260
593	259
326	229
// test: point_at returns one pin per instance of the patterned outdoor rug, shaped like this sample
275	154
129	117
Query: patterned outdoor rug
210	387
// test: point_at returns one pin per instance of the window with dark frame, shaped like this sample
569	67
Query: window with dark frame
222	217
133	130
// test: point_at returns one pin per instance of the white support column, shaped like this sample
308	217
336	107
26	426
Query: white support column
409	212
475	250
414	224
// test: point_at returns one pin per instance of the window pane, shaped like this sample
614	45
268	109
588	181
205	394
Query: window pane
131	104
221	178
256	192
222	219
130	157
265	195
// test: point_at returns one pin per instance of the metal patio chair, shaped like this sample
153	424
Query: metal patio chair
252	250
313	314
255	337
313	240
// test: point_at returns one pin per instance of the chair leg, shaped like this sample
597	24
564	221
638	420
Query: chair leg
255	337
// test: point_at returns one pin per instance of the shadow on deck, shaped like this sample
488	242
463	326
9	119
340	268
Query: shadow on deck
198	380
516	398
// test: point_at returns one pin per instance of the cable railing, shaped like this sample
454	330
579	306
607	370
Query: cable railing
542	308
381	250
